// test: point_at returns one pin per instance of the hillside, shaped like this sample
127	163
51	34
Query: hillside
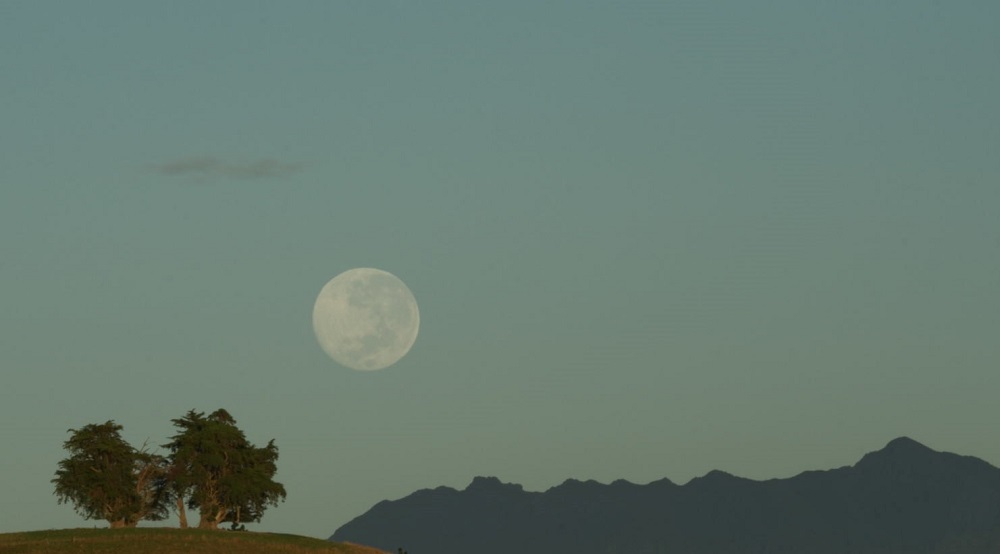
903	499
168	541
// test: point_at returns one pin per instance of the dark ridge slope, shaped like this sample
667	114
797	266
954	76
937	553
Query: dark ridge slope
904	498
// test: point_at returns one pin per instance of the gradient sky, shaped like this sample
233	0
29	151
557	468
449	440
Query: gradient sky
648	239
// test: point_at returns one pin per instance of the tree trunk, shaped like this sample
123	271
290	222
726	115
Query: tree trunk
210	519
181	514
207	521
117	524
219	516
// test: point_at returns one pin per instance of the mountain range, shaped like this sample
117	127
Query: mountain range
904	498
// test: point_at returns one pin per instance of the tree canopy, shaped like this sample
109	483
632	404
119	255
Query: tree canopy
106	478
227	478
210	467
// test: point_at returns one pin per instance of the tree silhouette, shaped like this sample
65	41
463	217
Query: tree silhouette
106	478
225	477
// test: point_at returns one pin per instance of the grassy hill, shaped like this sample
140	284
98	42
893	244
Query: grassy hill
168	541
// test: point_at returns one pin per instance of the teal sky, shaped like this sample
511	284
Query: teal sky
648	239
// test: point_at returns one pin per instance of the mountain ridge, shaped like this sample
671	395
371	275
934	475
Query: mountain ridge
905	497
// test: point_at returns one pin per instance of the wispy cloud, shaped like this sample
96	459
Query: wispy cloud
208	166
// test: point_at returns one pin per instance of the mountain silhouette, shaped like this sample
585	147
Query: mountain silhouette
905	498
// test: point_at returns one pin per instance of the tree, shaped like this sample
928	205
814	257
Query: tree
223	475
106	478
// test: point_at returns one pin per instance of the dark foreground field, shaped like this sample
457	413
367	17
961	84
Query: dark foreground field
164	541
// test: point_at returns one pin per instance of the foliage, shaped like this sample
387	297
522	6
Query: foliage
224	476
211	467
106	478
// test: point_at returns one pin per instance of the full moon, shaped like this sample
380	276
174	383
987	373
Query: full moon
366	319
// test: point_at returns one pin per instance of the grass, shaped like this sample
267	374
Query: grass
168	541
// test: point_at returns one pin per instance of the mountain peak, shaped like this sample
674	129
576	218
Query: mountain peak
900	450
714	478
491	484
902	447
905	444
480	482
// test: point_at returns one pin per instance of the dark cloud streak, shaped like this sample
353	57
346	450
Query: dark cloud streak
208	166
